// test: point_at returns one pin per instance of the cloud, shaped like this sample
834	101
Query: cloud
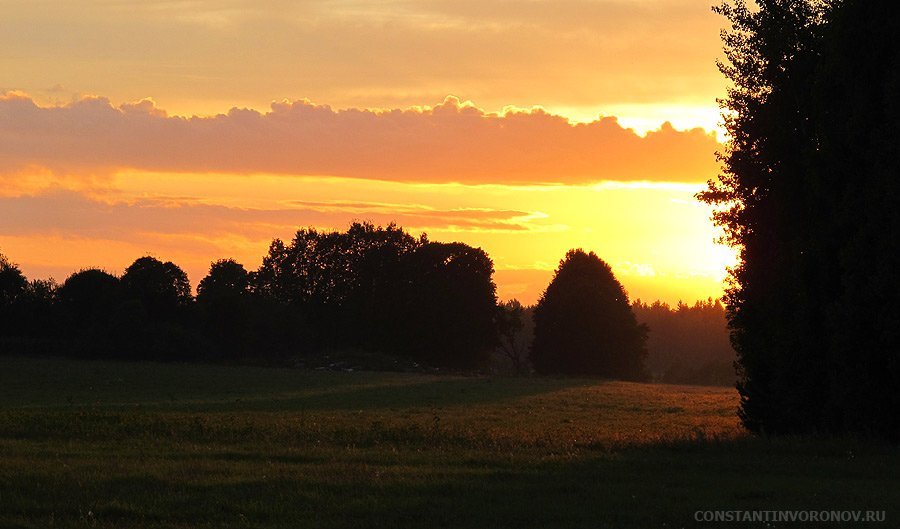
451	142
70	214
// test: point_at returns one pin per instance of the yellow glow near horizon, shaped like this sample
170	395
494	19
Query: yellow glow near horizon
657	238
643	118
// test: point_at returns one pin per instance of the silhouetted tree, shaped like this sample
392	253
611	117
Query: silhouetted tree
808	194
90	296
226	279
28	315
35	311
156	320
88	300
312	270
375	287
327	268
12	285
329	278
441	308
238	324
375	254
12	281
583	323
161	287
774	313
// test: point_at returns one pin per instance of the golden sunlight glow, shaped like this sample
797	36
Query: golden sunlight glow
643	118
656	236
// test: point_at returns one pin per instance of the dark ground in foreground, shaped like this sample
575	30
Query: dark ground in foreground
139	445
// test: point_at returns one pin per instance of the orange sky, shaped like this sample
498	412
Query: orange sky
116	138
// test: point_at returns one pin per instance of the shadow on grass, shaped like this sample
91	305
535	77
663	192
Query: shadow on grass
650	486
430	392
60	383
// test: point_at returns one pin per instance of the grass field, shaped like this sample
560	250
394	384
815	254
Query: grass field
103	444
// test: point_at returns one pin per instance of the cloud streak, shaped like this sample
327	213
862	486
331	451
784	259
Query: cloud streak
451	142
72	215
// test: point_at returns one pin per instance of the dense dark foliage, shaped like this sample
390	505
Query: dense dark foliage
372	289
12	282
162	288
27	308
809	195
227	279
88	301
441	307
583	323
12	286
239	325
330	280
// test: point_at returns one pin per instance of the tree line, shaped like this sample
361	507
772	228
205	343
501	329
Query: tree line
369	287
369	290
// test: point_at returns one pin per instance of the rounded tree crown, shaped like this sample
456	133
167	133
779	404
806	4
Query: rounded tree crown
226	278
584	324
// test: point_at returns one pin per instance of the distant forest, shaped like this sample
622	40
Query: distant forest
686	344
371	297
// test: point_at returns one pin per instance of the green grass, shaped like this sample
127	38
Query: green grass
104	444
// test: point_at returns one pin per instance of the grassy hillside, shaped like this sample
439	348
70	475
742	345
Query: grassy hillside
101	444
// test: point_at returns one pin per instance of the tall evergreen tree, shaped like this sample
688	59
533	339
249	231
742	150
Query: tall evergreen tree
796	197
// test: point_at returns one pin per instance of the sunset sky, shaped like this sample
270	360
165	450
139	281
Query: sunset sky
198	130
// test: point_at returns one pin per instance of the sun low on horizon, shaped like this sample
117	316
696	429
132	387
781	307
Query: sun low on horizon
196	131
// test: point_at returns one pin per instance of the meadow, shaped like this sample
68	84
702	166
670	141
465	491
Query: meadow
147	445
